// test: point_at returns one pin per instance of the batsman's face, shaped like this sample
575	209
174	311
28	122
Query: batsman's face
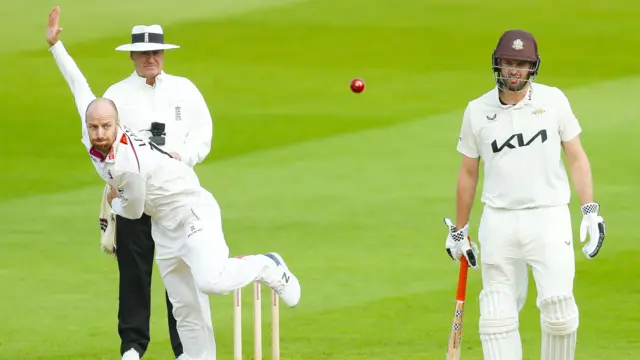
515	73
102	132
148	64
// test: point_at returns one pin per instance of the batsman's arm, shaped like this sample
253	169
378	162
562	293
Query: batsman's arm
580	169
132	192
75	79
577	160
468	174
466	189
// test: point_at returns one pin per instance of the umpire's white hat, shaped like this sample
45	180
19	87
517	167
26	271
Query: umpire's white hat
146	38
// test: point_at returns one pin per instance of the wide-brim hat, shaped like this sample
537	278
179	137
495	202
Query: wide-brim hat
146	38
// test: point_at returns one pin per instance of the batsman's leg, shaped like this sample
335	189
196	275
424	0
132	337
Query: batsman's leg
504	279
552	258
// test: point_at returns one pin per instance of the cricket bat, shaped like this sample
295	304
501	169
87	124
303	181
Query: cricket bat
455	337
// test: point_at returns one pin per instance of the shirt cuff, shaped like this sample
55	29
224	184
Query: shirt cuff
57	46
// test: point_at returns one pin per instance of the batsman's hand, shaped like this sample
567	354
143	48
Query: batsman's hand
53	30
458	244
593	225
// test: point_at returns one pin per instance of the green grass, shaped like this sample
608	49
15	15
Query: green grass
351	189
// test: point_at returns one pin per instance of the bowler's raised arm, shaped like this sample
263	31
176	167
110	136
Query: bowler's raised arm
70	71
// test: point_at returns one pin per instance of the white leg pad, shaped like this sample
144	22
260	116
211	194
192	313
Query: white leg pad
499	325
559	320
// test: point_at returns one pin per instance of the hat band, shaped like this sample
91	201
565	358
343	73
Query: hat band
147	38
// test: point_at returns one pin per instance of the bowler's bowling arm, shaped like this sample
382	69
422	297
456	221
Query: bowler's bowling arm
77	83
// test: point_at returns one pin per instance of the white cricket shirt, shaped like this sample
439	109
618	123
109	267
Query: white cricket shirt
148	179
521	147
172	100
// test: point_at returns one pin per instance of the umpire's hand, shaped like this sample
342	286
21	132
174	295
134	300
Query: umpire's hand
459	244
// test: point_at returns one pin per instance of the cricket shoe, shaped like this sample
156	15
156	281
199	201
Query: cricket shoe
282	281
132	354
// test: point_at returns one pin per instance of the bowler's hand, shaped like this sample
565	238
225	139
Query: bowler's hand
593	225
175	155
53	30
112	195
458	244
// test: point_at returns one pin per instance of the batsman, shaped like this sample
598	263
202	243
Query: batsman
520	129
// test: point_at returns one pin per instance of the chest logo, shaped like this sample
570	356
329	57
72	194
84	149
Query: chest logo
538	112
491	118
519	141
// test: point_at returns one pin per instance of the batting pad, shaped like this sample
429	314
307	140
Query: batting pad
559	323
499	325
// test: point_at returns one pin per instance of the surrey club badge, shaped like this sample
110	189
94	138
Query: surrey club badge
517	44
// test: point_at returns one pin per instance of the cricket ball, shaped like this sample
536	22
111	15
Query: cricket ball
357	85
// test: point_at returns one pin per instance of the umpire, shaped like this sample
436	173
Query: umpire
173	113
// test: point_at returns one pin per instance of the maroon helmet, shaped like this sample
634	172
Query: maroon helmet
516	45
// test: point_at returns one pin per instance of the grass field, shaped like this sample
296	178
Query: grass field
351	189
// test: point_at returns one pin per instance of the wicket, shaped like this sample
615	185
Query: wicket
257	324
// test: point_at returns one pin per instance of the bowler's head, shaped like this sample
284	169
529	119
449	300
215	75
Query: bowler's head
102	124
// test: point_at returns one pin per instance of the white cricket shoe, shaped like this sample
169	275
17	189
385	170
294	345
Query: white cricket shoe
182	357
131	354
282	281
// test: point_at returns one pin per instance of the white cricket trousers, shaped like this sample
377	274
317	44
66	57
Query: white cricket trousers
512	240
203	268
541	238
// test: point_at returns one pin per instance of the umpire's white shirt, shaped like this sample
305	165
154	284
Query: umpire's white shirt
174	101
521	146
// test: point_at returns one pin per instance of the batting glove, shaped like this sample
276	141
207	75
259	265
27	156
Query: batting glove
592	224
458	244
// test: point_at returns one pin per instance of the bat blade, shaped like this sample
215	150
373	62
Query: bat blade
455	336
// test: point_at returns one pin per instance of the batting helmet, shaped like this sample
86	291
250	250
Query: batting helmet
516	45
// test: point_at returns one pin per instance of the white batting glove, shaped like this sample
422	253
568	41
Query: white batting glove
592	224
458	244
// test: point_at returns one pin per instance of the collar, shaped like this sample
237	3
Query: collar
527	100
143	81
111	156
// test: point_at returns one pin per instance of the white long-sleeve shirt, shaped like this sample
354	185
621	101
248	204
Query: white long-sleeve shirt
148	180
174	101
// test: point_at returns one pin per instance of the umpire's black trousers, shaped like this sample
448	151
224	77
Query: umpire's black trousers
135	254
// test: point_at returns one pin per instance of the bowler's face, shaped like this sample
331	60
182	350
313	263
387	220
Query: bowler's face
102	132
148	64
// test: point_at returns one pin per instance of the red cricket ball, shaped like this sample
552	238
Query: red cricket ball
357	85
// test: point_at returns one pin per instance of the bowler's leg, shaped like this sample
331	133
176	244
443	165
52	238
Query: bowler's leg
190	308
176	345
504	274
551	256
216	273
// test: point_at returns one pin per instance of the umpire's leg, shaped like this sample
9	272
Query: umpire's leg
135	253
